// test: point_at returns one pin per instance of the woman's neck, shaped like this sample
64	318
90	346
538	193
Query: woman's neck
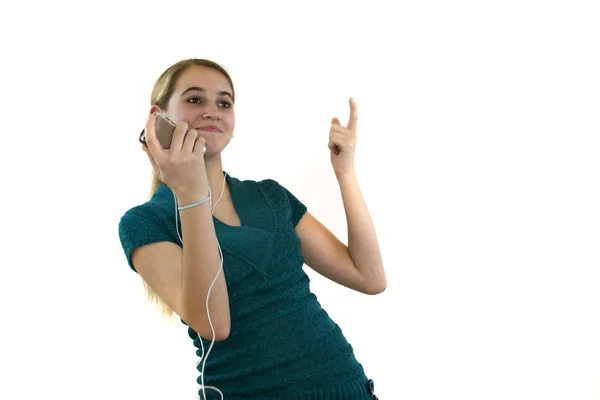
214	173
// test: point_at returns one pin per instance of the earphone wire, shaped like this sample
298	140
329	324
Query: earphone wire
202	357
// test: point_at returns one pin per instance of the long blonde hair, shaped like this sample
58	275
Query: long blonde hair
161	94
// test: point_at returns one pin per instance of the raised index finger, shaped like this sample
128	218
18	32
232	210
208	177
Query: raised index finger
353	115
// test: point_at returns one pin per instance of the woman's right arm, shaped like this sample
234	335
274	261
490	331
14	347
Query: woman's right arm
182	276
200	264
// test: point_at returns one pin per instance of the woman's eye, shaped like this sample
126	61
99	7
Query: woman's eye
225	104
195	100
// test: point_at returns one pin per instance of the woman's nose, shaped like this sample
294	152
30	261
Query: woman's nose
208	114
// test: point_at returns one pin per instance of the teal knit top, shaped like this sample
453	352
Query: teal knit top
282	343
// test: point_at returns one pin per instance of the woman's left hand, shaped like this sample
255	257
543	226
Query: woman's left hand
342	143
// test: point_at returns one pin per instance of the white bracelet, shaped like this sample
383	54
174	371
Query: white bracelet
194	205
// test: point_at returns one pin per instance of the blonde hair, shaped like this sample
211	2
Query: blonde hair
161	94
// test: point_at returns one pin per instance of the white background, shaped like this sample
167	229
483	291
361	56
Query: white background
478	155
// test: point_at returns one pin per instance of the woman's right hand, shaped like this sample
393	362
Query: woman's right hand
181	167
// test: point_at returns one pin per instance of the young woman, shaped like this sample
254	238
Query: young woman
226	255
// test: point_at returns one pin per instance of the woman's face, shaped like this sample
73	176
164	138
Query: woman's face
203	99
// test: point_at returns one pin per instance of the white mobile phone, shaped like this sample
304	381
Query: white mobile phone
164	129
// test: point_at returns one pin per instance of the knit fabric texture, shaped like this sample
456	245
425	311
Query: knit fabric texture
282	343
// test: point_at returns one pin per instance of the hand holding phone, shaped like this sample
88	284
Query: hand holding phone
176	154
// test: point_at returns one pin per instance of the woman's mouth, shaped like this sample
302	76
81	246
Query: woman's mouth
209	128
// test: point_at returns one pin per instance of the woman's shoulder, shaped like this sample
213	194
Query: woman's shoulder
142	215
154	209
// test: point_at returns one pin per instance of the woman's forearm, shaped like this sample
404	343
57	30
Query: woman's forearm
362	238
201	262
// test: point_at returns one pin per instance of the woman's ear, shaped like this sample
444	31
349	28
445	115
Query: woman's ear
155	109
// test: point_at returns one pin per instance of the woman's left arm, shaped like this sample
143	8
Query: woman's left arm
363	245
359	265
